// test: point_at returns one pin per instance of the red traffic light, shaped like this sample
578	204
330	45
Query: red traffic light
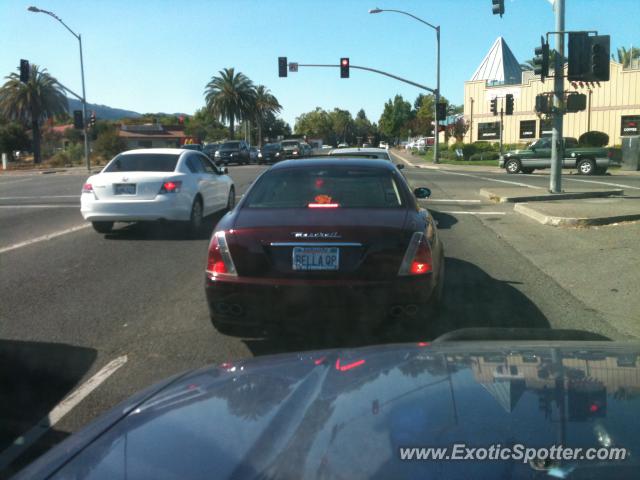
344	68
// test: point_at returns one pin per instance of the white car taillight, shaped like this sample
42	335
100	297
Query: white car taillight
219	260
417	259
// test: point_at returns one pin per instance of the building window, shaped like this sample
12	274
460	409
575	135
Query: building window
489	131
528	129
630	125
546	128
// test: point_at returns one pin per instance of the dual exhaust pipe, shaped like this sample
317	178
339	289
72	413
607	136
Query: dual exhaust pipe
409	310
232	309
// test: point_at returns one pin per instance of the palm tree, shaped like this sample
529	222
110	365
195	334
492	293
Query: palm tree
32	102
265	104
529	65
625	57
230	96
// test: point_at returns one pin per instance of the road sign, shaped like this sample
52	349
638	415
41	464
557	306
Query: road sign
293	66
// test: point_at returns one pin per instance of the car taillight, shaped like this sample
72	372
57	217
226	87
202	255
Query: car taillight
171	187
219	260
87	188
610	153
417	259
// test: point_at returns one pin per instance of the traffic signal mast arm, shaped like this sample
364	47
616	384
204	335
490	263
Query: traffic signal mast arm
432	90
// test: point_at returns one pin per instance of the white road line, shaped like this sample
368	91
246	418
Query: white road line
452	200
40	197
23	442
44	238
461	212
442	170
603	183
44	205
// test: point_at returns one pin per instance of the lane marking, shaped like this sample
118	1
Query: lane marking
41	206
442	170
40	197
462	212
13	182
23	442
619	185
44	238
452	200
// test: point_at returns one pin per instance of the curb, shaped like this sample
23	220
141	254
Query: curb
550	197
571	221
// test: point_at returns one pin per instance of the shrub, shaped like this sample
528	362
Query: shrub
484	156
594	139
109	144
486	147
60	159
76	153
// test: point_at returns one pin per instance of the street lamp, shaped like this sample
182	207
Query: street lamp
436	156
84	97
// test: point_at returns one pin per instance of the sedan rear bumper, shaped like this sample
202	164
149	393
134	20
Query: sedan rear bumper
265	302
163	207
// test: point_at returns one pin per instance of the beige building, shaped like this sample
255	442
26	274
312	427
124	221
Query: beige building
613	107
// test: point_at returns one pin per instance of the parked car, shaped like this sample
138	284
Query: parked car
253	155
343	145
210	149
357	227
270	153
383	145
192	146
367	145
587	160
293	148
156	184
234	151
307	149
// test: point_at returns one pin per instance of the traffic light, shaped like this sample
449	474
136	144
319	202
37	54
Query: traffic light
344	68
543	104
441	111
541	60
508	104
92	119
494	106
24	70
600	46
78	119
497	7
576	102
282	66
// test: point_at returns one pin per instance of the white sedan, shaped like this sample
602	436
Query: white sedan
156	184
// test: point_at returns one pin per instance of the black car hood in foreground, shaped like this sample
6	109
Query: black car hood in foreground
345	414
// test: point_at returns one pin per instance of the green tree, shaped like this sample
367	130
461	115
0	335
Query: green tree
362	126
264	103
342	125
13	136
626	57
395	118
230	96
33	102
316	123
109	144
204	125
274	127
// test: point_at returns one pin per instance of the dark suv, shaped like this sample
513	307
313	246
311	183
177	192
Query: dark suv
233	151
270	153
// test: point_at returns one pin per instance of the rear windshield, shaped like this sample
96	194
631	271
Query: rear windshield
143	162
348	187
380	155
230	146
290	144
271	146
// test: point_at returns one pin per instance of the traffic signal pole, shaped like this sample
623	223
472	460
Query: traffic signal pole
501	128
557	154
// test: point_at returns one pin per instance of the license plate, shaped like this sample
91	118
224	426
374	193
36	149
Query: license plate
124	188
316	258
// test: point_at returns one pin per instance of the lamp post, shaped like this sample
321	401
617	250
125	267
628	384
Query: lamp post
84	97
436	157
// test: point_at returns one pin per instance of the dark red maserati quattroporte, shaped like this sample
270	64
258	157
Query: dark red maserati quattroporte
325	240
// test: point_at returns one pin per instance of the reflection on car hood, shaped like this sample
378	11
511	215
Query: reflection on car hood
346	413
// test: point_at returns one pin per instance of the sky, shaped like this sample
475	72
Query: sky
158	55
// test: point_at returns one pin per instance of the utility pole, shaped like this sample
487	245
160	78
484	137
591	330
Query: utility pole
436	140
557	151
501	125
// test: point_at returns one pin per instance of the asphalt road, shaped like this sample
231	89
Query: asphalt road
73	303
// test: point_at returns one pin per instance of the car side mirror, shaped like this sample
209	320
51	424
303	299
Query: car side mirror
422	192
400	166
